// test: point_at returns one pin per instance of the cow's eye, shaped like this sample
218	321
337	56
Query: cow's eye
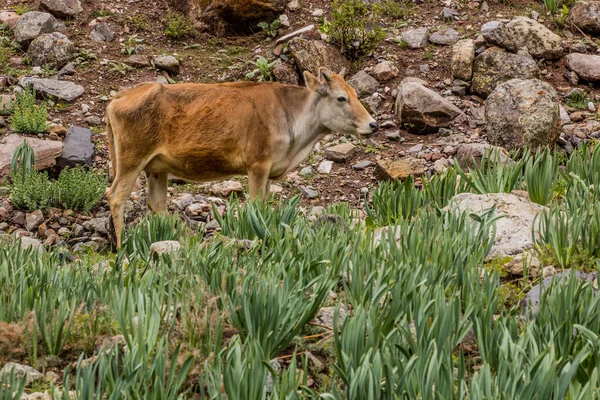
341	99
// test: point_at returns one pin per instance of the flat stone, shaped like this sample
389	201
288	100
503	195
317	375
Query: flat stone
98	225
20	372
400	169
325	167
463	55
359	166
310	55
79	148
165	247
64	90
33	219
226	188
46	151
384	71
586	66
33	243
416	38
445	36
137	61
309	193
340	152
62	8
306	171
326	314
102	33
167	63
9	18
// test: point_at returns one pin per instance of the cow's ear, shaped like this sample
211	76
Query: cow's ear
314	84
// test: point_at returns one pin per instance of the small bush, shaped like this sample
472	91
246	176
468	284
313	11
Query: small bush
578	99
263	70
354	28
21	9
34	191
178	26
270	29
23	161
78	189
392	9
27	116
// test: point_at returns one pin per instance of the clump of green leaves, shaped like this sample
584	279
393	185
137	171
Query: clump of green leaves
21	9
392	8
578	99
271	29
81	190
27	116
128	47
33	191
263	70
83	58
354	27
178	26
22	161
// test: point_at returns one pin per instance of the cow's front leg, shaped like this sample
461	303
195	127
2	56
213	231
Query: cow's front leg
258	180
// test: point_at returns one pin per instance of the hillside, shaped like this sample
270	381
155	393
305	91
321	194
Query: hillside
452	255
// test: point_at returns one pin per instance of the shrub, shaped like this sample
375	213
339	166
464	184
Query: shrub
23	161
578	99
270	29
353	27
33	191
263	70
178	26
78	189
27	116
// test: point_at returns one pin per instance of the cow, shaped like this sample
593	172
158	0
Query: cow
204	132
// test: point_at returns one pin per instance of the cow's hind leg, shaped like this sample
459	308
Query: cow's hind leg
118	194
156	198
258	180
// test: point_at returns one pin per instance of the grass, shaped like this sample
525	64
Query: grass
428	314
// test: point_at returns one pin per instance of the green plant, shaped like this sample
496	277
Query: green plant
263	70
578	99
27	116
33	191
428	55
121	68
151	229
178	26
21	9
80	190
325	27
54	317
541	175
22	161
392	8
271	29
354	27
494	175
128	47
83	58
140	22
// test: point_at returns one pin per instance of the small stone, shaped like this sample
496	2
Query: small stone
226	188
167	63
325	167
165	247
284	21
384	71
399	169
29	242
306	171
32	220
362	165
20	372
340	152
308	192
102	33
293	5
416	38
363	83
394	136
445	36
97	225
317	12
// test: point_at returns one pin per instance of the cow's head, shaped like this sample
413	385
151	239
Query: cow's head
339	109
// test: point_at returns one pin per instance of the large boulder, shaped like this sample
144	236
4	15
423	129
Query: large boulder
494	66
54	49
62	8
79	148
422	110
513	231
586	16
310	55
32	25
524	32
64	90
586	66
221	17
523	112
463	55
46	152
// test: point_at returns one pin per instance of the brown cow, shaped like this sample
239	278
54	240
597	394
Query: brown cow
203	132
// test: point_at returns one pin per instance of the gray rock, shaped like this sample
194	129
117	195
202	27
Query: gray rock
32	25
340	152
53	49
20	372
495	66
586	16
420	109
394	136
79	148
68	69
523	32
165	247
586	66
416	38
167	63
309	193
359	166
226	188
445	36
326	314
523	113
98	225
46	151
306	171
363	83
470	155
33	220
385	70
31	243
513	231
102	33
463	55
449	14
310	55
285	73
62	8
325	167
64	90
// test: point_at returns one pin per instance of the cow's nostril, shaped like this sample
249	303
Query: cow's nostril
374	125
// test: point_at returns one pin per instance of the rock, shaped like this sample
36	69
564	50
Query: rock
513	231
440	165
296	33
470	155
68	69
137	61
102	33
463	55
394	136
359	166
33	219
522	261
586	66
494	66
363	83
167	63
306	171
309	193
64	90
449	14
340	152
97	225
33	243
79	148
165	247
310	55
445	36
399	169
521	32
20	371
284	20
293	5
53	49
586	16
384	71
422	110
62	8
45	151
325	167
564	116
523	113
285	73
9	17
416	38
32	25
326	314
226	188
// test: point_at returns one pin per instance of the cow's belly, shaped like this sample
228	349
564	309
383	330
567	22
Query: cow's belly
195	168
